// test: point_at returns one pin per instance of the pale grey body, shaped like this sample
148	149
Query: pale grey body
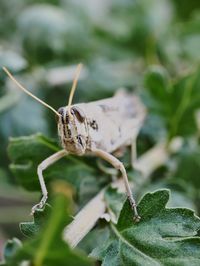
113	122
98	128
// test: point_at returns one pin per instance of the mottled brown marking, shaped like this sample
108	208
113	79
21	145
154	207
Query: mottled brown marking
94	125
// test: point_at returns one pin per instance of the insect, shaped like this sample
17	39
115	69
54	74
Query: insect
97	128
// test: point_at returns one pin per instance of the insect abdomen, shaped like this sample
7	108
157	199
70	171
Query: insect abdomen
114	122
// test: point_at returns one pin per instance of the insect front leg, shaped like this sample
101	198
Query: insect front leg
42	166
119	166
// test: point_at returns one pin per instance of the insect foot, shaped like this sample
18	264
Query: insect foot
40	205
136	217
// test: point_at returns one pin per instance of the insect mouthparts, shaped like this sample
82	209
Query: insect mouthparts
79	140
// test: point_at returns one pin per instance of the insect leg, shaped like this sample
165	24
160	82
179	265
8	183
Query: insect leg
42	166
119	165
133	152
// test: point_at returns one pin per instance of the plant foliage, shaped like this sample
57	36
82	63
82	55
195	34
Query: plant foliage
151	48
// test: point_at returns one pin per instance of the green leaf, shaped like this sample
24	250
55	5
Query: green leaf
179	198
31	229
183	9
185	100
164	236
26	153
48	32
95	237
157	81
114	202
174	103
11	247
188	167
157	98
48	247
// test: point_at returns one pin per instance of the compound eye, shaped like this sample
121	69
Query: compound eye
79	114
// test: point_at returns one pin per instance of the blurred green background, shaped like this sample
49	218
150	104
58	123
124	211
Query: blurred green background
147	46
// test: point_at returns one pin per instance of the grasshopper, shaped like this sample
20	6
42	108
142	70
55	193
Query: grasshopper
97	128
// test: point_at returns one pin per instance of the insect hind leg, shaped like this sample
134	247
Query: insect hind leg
119	166
133	152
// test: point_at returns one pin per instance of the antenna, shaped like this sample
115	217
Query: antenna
28	92
74	86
